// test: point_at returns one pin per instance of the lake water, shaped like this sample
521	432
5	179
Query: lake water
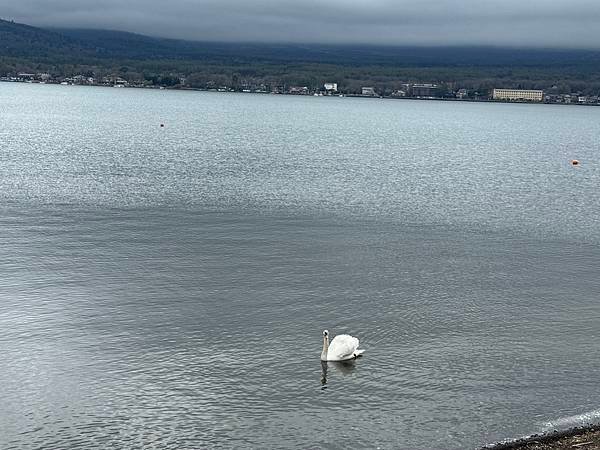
166	287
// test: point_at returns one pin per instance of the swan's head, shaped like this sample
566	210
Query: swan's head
325	345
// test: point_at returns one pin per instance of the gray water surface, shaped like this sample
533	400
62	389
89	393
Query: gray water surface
167	287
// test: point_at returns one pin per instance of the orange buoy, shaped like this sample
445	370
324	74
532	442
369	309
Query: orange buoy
574	162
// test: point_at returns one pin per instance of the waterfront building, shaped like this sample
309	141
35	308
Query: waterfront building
299	90
331	87
462	93
426	90
518	95
368	91
26	76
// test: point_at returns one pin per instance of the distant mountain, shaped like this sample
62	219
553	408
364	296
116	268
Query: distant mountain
24	41
121	44
19	40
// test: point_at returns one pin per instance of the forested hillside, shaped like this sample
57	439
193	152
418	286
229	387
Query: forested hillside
138	58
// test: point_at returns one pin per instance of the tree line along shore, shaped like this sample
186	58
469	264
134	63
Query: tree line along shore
425	91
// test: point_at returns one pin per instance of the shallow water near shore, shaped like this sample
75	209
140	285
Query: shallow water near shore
167	287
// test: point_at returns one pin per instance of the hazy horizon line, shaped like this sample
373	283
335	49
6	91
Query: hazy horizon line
321	42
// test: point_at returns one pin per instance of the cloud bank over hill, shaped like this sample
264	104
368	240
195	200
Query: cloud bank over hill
535	23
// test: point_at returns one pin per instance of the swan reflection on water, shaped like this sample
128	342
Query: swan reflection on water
342	367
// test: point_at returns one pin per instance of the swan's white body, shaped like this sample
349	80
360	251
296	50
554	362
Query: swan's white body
342	348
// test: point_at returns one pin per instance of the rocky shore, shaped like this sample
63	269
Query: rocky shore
585	438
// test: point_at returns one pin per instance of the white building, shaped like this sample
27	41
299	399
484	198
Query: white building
330	87
518	94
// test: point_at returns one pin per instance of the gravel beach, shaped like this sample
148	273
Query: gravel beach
586	438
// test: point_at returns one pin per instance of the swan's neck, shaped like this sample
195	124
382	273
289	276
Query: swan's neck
325	348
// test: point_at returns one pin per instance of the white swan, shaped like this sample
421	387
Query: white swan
342	348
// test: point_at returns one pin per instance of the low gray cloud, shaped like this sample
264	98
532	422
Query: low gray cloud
551	23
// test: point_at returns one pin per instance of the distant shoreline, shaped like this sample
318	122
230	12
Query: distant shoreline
388	97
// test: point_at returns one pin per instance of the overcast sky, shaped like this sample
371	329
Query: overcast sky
551	23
